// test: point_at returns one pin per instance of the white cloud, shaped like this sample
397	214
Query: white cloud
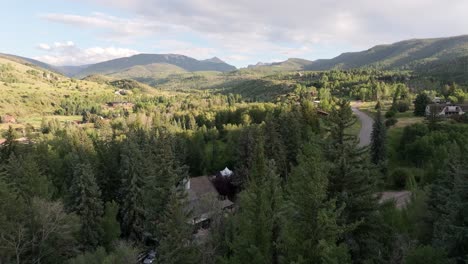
43	46
251	28
67	53
306	20
115	28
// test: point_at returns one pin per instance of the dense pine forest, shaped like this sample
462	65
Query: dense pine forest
86	178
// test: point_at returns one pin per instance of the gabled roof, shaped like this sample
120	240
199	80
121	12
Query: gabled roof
200	186
204	198
440	107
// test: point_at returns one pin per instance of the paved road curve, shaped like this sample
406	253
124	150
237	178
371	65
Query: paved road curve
401	198
366	127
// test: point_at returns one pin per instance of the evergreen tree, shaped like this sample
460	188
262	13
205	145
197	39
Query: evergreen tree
26	177
449	201
341	118
420	103
162	173
312	228
132	211
378	138
176	244
353	182
86	201
110	225
8	147
246	154
274	147
291	128
256	226
107	173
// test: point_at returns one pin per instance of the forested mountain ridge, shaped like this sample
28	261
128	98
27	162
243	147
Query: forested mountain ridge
181	61
291	64
405	55
419	55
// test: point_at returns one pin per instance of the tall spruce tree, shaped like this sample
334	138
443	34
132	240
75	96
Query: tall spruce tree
246	155
162	173
256	226
378	140
420	103
26	177
85	198
311	229
274	148
132	211
448	207
176	243
353	182
341	118
110	225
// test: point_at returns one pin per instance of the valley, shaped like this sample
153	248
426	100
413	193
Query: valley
163	158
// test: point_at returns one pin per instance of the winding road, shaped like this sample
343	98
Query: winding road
366	126
400	198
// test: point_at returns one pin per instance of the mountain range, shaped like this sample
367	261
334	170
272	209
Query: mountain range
415	54
428	56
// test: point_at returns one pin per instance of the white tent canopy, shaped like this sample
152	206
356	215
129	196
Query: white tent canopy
226	172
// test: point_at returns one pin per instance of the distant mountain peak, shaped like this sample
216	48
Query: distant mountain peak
215	60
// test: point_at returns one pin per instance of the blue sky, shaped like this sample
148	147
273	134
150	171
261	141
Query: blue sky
241	32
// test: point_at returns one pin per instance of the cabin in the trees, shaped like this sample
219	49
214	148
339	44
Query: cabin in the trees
446	110
204	200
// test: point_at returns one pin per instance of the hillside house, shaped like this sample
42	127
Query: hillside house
446	110
204	200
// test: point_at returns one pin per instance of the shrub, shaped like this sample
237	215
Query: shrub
390	122
390	114
426	254
400	177
402	106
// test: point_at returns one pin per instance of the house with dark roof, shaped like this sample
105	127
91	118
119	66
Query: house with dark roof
204	200
446	110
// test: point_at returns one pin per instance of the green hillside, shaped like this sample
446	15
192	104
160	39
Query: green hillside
31	92
454	70
148	73
293	64
28	61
